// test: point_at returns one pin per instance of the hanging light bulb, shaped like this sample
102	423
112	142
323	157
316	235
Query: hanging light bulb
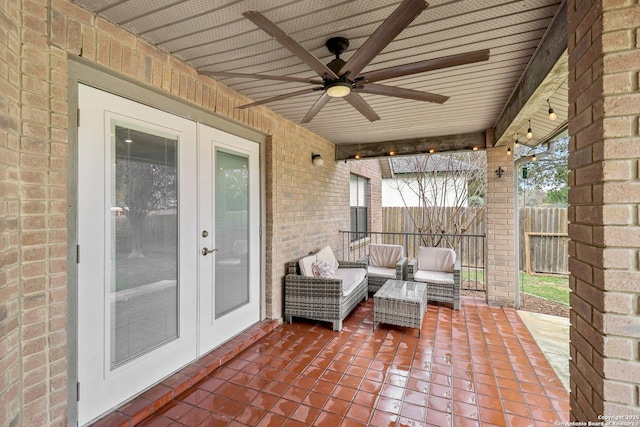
509	150
534	158
529	131
516	143
552	114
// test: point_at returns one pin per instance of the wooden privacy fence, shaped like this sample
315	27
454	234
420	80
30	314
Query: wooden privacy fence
544	240
543	236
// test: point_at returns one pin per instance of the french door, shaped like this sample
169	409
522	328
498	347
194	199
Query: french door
168	262
229	224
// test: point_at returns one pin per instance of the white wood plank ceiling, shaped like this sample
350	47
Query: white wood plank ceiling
212	35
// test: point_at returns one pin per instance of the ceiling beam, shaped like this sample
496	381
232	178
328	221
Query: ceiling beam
546	71
403	147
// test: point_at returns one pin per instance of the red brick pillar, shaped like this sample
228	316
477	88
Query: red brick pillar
500	228
10	124
604	230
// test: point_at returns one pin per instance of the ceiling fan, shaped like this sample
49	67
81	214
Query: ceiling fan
340	79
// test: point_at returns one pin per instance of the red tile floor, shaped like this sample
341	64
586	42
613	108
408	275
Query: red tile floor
477	366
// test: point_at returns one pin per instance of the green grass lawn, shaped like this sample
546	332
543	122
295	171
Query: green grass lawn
554	288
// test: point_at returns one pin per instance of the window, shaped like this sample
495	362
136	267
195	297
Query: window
359	215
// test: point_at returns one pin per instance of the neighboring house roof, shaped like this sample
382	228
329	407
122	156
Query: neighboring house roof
429	163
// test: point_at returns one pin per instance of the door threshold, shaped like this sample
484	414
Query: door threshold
152	400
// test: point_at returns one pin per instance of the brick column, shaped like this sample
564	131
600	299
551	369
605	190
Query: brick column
604	155
500	229
10	111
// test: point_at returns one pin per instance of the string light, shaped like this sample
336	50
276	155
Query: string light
509	150
552	114
516	143
529	131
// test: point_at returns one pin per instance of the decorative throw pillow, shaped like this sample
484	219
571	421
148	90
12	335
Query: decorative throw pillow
323	270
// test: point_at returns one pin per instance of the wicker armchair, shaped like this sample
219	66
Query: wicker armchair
323	299
438	268
385	262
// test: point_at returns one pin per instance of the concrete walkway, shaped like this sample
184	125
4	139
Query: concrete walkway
552	335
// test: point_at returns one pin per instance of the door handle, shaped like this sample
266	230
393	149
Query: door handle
206	251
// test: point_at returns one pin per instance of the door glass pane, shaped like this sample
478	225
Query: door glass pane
232	232
144	241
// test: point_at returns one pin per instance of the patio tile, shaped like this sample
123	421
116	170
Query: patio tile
175	409
476	366
264	401
315	400
328	419
305	414
336	406
272	420
250	415
360	413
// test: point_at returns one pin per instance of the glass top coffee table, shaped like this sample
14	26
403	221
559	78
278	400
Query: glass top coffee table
400	303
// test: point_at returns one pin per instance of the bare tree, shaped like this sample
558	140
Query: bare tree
144	188
448	189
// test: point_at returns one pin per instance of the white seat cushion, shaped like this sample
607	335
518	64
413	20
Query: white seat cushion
436	259
437	277
351	277
385	255
389	273
326	254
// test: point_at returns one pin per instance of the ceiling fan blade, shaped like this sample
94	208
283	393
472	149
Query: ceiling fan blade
321	102
263	77
361	105
279	97
387	31
285	40
428	65
399	92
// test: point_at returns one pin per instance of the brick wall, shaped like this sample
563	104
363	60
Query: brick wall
10	316
604	154
500	229
306	205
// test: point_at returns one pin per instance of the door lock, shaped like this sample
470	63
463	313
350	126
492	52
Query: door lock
206	251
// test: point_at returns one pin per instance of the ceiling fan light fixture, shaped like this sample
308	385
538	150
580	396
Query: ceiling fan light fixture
339	89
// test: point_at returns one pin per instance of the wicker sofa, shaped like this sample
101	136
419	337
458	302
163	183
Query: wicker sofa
438	268
320	298
385	262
